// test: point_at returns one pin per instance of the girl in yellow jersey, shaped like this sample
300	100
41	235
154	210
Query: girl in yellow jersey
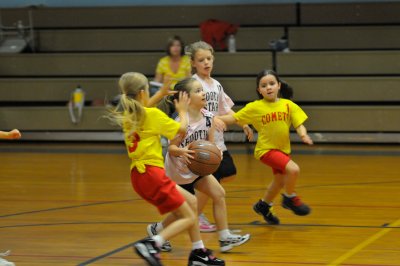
272	117
143	128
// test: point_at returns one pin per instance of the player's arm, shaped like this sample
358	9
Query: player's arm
13	134
246	128
174	149
164	91
211	132
181	107
302	132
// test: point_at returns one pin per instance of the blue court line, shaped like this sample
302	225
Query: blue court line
66	207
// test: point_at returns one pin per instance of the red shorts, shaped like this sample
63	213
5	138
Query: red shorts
155	187
277	160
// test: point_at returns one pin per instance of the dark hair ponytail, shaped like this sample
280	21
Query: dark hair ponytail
286	91
183	85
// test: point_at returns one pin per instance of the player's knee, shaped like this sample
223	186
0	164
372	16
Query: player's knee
192	201
293	169
218	194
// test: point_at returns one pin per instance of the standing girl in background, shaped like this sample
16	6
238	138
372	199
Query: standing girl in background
201	127
272	117
218	103
142	128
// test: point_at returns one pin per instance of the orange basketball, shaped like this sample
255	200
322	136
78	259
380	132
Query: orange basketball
207	158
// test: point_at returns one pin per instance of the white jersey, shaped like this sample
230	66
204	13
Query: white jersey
218	103
175	167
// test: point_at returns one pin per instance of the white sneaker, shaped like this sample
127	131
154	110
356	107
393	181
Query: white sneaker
205	225
152	231
233	241
4	262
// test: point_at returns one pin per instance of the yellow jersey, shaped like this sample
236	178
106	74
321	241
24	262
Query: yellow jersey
144	145
272	120
164	68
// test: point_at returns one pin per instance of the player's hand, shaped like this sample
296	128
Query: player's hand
307	140
182	104
165	90
14	134
249	132
186	154
219	124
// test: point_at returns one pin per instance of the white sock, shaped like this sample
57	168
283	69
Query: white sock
197	245
290	195
269	203
223	234
159	227
159	240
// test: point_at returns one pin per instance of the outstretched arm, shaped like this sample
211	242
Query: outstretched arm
13	134
246	128
165	90
302	132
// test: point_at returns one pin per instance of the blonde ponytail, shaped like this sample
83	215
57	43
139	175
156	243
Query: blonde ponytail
130	113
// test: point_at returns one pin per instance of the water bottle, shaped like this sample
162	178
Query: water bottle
232	44
76	104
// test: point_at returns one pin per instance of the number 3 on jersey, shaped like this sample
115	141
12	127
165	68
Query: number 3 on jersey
134	138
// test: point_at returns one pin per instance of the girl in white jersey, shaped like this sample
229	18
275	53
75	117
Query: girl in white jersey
218	103
201	127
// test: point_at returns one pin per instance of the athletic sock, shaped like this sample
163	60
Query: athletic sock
197	245
159	240
159	227
224	234
291	195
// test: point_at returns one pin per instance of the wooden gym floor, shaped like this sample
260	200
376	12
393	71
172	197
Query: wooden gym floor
73	204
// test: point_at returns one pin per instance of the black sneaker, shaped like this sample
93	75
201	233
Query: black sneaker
147	249
296	205
152	231
262	208
204	257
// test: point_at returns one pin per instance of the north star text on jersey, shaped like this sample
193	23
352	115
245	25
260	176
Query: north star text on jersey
199	134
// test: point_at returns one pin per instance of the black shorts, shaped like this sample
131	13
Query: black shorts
190	187
226	168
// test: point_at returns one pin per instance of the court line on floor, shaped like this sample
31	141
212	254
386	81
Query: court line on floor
66	207
253	224
365	243
105	255
322	185
233	191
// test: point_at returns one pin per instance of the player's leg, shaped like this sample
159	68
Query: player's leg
210	186
290	200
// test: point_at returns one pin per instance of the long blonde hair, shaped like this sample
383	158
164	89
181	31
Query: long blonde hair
130	113
192	49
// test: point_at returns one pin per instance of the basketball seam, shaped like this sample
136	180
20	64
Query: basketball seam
217	154
205	163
